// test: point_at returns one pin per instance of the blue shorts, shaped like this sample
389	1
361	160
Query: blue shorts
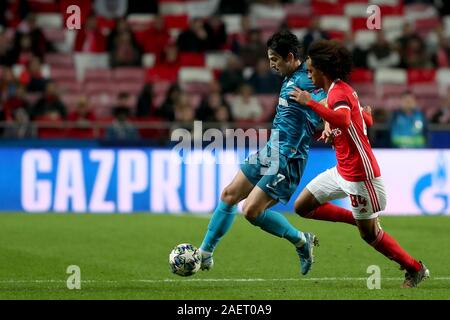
277	175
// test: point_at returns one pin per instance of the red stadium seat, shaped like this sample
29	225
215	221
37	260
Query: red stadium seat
59	60
129	74
153	133
421	75
162	73
392	10
132	87
70	100
97	74
64	73
367	89
428	90
389	89
337	35
426	25
297	9
321	8
192	59
43	6
49	128
361	76
359	23
296	22
176	22
95	87
70	86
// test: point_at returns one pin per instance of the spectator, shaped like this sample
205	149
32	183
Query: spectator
314	33
157	37
121	26
122	128
233	7
39	43
50	105
208	109
166	110
111	9
23	51
263	80
82	118
214	87
381	54
8	84
442	55
82	114
6	50
32	76
408	125
232	76
240	38
183	109
126	53
442	116
20	126
246	106
144	106
195	38
147	6
217	34
254	50
412	49
13	12
169	57
90	39
14	102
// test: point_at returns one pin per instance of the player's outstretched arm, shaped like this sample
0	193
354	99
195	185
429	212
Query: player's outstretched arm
338	118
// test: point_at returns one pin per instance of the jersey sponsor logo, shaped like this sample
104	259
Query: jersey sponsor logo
282	102
336	132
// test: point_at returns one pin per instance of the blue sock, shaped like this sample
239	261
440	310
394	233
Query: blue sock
275	223
220	223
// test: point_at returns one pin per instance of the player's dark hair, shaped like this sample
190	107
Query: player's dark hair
285	42
332	58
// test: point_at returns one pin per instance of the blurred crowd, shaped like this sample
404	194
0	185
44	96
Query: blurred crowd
233	96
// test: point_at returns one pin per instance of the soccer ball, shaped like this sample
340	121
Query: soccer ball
185	260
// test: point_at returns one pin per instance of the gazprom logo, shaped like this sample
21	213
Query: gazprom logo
431	192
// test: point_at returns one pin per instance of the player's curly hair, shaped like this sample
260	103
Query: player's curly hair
284	42
332	58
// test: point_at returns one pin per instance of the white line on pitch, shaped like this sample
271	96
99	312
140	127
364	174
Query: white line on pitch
446	278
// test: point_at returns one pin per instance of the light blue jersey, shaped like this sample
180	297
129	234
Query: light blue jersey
294	124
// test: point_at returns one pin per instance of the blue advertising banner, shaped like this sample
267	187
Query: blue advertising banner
100	180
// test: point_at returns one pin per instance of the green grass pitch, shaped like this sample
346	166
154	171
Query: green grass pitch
126	257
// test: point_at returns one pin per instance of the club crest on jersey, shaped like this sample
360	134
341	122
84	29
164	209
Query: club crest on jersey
336	132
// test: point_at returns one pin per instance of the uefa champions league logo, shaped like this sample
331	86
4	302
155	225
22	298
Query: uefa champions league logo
430	192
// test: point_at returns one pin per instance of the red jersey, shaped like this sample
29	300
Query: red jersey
355	158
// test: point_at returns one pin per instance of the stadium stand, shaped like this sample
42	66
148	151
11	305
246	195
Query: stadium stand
81	66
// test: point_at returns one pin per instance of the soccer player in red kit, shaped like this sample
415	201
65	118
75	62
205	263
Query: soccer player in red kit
357	174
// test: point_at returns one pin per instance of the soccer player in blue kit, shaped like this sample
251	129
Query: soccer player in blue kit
273	173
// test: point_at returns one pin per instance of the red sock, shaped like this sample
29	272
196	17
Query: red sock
391	249
331	212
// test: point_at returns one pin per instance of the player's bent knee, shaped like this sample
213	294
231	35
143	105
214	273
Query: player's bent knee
251	212
299	208
368	236
230	196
